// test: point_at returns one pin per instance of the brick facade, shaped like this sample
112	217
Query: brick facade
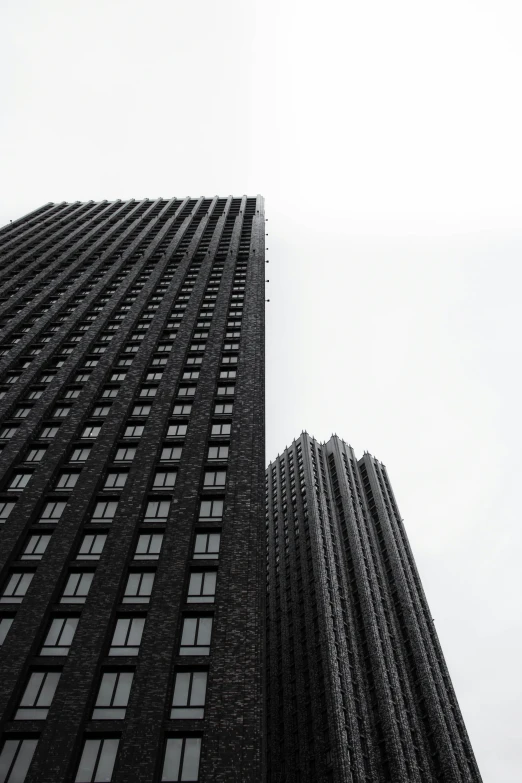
82	285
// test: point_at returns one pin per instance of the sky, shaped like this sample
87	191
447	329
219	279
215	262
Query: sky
386	140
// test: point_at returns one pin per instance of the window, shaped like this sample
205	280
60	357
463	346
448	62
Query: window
53	511
67	480
125	454
91	431
92	546
7	432
177	430
181	409
206	546
157	511
72	394
189	695
190	375
196	636
127	636
221	429
232	359
113	696
36	455
149	546
171	453
19	481
77	587
97	761
59	636
6	506
218	452
139	587
202	587
115	480
164	479
110	392
101	410
187	391
5	624
118	376
194	360
80	454
16	587
36	546
61	412
134	431
215	478
38	696
22	413
104	511
211	509
15	759
154	376
224	408
148	391
226	391
141	410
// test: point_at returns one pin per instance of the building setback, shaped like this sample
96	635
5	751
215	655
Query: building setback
132	427
358	690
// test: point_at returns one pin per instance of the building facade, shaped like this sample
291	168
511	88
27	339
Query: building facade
357	687
132	434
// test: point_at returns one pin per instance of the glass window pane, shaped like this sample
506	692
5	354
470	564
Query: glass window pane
199	687
191	758
136	631
106	761
189	631
181	689
172	760
88	760
205	630
121	697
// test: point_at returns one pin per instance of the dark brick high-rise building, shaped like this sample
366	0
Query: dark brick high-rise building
132	466
358	690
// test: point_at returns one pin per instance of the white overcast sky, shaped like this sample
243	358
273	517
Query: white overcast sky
386	138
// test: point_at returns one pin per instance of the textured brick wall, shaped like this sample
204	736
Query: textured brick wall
231	730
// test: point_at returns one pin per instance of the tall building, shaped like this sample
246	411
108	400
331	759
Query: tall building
132	427
358	690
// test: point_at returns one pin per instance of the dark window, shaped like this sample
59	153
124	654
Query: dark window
113	696
59	636
16	587
218	452
202	587
190	690
196	636
92	546
215	478
127	636
38	695
104	511
211	509
5	625
15	759
149	546
97	761
77	588
53	511
157	511
206	546
36	546
139	587
6	506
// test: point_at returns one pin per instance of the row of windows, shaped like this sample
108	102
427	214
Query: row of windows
181	759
